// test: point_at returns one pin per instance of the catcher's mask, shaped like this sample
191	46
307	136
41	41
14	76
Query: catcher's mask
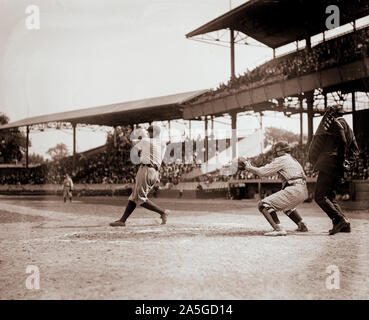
336	110
279	147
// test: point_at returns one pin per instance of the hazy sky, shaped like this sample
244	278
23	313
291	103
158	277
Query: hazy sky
96	52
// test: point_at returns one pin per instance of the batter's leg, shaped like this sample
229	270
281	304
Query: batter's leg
148	204
131	206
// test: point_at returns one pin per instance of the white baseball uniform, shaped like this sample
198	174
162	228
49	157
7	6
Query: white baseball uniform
152	154
294	190
67	187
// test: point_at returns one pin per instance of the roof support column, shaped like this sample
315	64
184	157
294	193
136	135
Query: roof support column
27	146
308	43
301	118
234	137
233	73
169	132
74	147
310	112
189	129
115	136
262	133
354	123
206	157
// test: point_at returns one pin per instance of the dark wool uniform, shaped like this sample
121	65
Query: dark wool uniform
339	141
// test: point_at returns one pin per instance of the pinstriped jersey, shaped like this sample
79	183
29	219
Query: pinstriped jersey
286	166
152	150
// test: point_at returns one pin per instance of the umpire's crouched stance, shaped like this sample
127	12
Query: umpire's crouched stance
332	147
294	190
152	154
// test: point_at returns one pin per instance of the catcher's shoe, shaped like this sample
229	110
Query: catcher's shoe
338	226
302	227
164	217
276	233
347	228
117	223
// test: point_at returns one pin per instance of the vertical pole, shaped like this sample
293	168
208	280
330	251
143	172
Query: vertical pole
325	101
115	136
74	147
206	157
308	43
212	127
273	53
310	111
27	146
262	133
232	55
189	129
169	132
301	118
234	135
354	123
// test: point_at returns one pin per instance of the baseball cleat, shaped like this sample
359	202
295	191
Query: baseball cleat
276	233
164	217
337	227
117	223
347	228
302	227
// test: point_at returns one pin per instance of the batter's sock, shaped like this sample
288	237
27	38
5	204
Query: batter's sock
294	216
129	209
152	206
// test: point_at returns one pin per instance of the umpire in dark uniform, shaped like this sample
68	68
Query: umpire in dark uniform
338	150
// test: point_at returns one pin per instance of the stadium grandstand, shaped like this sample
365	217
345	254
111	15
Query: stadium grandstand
299	82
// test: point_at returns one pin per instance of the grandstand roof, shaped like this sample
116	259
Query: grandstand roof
138	111
278	22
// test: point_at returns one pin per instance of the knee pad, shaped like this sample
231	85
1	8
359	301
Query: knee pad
260	205
264	206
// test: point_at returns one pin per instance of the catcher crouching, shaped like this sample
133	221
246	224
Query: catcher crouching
294	190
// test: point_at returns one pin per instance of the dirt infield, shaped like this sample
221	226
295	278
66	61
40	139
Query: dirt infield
210	249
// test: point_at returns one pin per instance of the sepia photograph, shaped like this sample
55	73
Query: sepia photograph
184	156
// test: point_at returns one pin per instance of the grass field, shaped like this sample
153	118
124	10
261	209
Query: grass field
210	249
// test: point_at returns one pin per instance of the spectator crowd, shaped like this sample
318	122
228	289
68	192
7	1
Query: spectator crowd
113	166
341	50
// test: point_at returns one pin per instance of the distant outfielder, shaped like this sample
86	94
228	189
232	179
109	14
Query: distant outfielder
67	188
294	190
152	154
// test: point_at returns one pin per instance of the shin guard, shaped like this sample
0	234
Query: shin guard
267	212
